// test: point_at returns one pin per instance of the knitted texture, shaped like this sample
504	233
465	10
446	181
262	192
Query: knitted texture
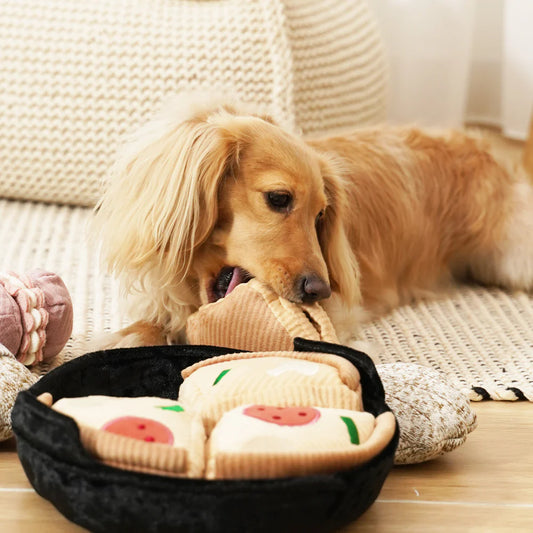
434	417
14	377
35	235
480	338
77	76
339	69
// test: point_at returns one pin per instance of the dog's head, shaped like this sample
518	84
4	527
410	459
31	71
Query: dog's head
219	197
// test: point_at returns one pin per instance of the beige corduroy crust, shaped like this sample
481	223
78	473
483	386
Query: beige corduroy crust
226	322
348	374
214	326
308	321
78	75
248	465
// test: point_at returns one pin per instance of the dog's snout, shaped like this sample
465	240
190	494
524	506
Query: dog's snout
313	288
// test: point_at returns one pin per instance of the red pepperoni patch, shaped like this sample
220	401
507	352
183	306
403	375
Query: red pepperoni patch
283	416
139	428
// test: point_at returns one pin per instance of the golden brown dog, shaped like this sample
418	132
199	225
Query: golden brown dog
206	198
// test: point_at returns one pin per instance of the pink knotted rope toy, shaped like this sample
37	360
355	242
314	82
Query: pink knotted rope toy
35	315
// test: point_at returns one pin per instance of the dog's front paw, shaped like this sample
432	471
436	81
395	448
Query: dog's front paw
138	334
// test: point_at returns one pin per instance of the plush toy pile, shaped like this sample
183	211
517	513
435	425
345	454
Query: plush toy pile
35	324
35	315
261	413
239	416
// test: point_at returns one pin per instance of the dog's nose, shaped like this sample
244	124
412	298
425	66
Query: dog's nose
313	288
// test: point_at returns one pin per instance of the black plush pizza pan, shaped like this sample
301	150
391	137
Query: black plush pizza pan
105	499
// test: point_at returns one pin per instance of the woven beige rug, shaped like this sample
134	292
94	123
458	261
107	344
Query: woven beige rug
481	338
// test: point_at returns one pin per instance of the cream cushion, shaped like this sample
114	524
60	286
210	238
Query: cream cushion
77	75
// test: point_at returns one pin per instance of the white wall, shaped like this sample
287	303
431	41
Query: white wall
517	87
485	87
457	61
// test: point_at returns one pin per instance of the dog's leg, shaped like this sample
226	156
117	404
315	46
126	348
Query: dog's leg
138	334
509	263
347	321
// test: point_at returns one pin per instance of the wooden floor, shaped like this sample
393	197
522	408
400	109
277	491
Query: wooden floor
484	486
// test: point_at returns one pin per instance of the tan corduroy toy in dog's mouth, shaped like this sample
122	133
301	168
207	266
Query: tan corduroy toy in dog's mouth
254	318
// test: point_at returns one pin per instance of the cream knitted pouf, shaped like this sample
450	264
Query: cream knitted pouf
77	75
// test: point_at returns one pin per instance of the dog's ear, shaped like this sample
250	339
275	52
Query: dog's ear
161	203
342	265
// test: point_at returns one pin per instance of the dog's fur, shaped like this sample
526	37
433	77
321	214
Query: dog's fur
379	215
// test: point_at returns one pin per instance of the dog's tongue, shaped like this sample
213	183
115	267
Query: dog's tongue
228	278
237	278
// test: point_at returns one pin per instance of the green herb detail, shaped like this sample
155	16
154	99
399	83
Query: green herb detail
220	376
352	429
175	408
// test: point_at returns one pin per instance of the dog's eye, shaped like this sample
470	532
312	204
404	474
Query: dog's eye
279	200
319	217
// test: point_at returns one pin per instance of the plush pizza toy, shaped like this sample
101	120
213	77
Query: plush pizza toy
239	416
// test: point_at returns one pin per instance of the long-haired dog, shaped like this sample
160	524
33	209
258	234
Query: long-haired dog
206	198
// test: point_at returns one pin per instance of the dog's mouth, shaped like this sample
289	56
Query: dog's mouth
226	280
